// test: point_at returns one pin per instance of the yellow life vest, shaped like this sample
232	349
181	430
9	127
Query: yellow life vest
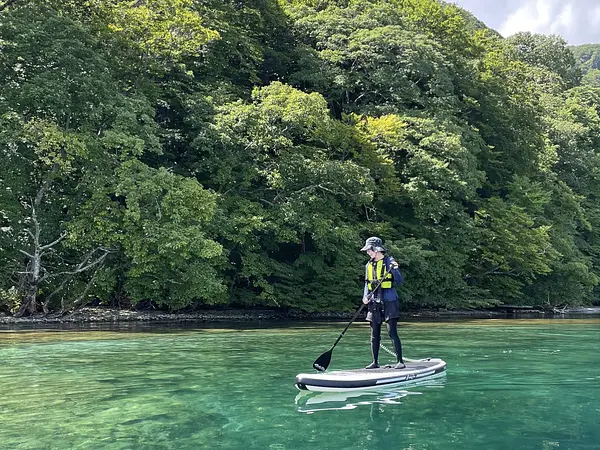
379	270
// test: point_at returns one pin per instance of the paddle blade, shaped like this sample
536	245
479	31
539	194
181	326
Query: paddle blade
322	362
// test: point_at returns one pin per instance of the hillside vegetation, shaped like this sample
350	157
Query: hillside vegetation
180	153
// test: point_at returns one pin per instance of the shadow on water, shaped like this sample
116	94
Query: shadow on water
311	402
140	326
90	331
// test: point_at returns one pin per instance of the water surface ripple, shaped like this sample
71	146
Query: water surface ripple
510	384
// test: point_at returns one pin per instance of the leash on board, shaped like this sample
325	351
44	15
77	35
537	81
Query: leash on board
404	358
388	350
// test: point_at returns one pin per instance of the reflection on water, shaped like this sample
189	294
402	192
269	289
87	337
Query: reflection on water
311	402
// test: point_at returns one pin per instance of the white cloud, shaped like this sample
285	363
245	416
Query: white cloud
539	16
595	16
565	18
577	21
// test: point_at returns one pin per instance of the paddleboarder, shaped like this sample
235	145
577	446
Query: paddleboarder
381	275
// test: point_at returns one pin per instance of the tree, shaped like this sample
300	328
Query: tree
62	110
281	165
157	220
550	52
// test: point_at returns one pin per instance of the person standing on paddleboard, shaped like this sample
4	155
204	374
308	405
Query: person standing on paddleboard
383	302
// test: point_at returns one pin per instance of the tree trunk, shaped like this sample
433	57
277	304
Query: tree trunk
31	284
32	277
29	304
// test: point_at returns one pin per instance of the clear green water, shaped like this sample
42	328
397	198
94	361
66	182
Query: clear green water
530	384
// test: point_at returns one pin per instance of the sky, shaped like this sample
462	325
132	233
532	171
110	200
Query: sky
577	21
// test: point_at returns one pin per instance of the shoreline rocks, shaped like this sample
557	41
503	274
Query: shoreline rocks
106	315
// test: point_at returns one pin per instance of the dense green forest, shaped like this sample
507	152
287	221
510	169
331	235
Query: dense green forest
184	153
588	57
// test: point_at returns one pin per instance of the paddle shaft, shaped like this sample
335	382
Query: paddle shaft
348	326
370	296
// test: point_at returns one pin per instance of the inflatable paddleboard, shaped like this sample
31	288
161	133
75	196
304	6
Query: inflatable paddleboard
362	379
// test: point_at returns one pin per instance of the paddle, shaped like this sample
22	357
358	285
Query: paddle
322	362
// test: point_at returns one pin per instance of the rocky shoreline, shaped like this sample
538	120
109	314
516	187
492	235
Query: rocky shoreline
105	315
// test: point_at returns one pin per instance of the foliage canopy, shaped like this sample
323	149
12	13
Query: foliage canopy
188	153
